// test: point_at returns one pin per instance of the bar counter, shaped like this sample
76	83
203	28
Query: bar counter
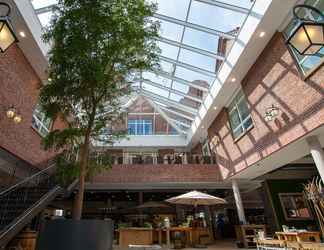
135	236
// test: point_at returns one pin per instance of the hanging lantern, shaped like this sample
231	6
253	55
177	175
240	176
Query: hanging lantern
308	37
7	34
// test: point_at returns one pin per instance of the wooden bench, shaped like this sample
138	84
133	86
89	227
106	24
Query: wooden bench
270	244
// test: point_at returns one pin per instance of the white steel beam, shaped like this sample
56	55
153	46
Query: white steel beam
188	66
45	9
172	90
181	123
177	113
169	102
191	48
225	6
194	26
166	117
180	80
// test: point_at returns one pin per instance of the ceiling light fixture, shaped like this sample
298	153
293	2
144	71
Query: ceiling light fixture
22	34
233	79
262	34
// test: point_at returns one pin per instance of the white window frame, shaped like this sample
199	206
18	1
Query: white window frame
234	104
40	121
141	122
291	197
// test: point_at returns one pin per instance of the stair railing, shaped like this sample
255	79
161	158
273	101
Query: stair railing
21	196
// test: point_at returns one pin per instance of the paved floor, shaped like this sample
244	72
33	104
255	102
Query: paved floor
218	245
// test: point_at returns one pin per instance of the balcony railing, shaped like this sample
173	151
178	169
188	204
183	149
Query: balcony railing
165	159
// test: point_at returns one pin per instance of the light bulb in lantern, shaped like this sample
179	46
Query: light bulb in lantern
11	113
17	119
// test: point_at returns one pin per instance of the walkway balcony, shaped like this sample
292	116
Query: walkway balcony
158	171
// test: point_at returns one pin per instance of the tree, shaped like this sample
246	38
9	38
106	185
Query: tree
98	46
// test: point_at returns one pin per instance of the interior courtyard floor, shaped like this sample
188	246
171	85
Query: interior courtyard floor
227	244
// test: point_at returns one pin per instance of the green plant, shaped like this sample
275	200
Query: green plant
97	48
313	191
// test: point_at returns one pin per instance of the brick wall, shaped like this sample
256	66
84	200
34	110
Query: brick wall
159	174
19	87
140	105
273	79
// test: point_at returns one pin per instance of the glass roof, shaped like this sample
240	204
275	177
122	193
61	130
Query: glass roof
195	36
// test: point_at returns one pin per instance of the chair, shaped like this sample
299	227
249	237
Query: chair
268	244
311	246
292	245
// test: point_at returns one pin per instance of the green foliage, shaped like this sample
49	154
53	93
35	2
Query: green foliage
98	46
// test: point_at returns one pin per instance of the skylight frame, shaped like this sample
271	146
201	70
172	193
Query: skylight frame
177	64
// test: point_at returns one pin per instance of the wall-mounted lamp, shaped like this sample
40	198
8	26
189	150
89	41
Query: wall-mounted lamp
271	113
12	113
7	34
308	37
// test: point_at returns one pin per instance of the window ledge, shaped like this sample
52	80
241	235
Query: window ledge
243	134
36	130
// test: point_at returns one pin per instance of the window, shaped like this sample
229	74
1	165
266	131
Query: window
200	93
40	122
206	149
239	115
140	127
294	206
307	64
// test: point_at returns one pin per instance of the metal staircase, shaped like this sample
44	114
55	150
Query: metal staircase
20	203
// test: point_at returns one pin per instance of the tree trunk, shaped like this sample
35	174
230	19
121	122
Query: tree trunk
78	200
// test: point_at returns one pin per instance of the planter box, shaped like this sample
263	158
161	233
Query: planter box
76	235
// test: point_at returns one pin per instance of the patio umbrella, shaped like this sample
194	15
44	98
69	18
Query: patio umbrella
196	198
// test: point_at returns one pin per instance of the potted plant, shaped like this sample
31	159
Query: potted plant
98	47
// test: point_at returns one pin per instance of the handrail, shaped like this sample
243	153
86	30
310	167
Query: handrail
26	180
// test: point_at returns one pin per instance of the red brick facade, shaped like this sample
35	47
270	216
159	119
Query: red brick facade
19	87
159	173
272	80
141	109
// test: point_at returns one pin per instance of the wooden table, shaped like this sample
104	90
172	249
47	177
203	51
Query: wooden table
168	231
306	236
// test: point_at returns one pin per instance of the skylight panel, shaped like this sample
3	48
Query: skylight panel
168	50
173	8
240	3
45	18
176	97
215	17
170	30
200	61
192	76
157	79
167	67
155	90
200	40
180	87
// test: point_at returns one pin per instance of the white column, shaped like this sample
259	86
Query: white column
317	153
238	202
185	158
